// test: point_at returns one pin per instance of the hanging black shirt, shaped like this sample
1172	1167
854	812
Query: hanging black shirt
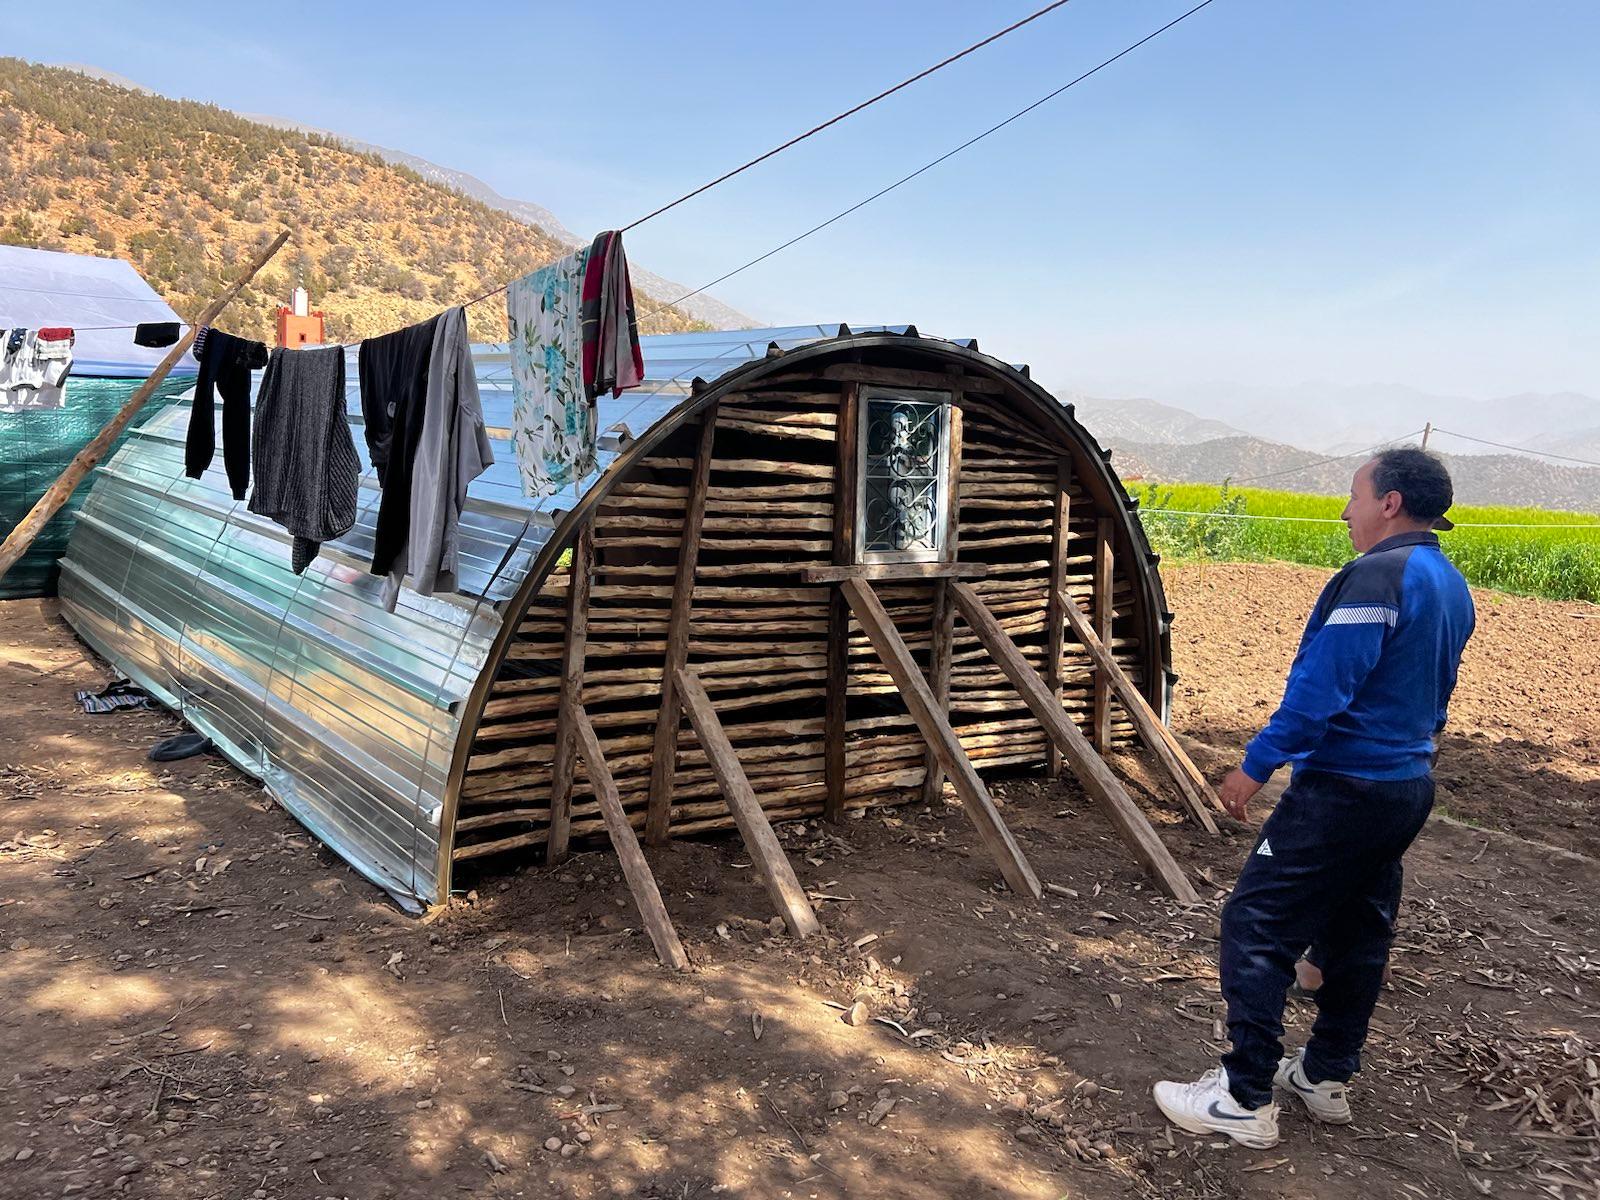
394	388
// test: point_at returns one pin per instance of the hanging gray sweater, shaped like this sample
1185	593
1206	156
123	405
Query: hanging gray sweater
302	455
452	451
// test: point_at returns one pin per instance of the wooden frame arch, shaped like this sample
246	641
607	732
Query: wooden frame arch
1092	466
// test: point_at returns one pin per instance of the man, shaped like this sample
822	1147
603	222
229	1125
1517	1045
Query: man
1365	699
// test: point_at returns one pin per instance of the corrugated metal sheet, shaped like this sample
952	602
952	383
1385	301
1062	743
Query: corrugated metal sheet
347	713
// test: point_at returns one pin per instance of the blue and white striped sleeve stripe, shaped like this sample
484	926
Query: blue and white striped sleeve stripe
1363	614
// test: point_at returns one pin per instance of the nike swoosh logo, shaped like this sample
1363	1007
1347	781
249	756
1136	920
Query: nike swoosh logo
1216	1111
1304	1091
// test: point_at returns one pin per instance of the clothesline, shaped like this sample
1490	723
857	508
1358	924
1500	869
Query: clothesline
1232	516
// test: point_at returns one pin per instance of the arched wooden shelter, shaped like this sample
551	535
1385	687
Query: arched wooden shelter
851	570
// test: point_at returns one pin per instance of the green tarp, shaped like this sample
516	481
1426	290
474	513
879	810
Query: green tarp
36	446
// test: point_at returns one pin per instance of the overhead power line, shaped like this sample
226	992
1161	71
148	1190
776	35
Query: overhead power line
816	129
1588	462
972	141
1324	461
850	112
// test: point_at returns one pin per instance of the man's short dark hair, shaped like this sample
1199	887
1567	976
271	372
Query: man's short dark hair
1420	478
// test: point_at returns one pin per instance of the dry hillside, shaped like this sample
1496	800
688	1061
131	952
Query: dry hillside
186	191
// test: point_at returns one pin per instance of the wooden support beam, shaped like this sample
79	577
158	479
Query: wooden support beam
641	881
1103	569
846	499
1091	770
889	572
919	701
944	614
765	852
904	377
664	759
1192	787
572	656
1054	620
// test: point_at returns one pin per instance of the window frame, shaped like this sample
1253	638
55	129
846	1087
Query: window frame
942	401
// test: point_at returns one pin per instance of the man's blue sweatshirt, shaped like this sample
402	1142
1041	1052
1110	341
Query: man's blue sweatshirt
1372	679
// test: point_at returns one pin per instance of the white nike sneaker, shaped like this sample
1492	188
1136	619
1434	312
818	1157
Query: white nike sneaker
1327	1101
1207	1106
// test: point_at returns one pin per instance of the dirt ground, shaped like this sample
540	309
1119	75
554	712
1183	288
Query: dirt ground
198	1001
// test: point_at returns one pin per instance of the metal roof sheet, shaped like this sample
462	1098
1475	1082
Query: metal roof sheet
348	713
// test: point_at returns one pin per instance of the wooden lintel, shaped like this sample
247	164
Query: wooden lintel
919	701
869	374
846	498
765	853
572	656
1104	565
1192	786
641	881
1091	770
1054	620
894	572
664	758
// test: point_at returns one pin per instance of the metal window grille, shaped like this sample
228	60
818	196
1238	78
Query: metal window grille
904	452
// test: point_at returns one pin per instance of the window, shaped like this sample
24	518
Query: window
904	475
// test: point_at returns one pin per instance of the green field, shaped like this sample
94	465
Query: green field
1540	554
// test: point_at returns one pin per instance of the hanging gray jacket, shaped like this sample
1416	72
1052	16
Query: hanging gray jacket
302	455
452	451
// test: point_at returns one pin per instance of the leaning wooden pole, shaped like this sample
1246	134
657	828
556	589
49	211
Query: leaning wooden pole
772	865
919	700
1192	787
59	492
1091	771
641	880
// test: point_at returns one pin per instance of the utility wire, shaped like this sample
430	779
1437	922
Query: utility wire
839	216
1588	462
849	112
812	132
1324	461
972	141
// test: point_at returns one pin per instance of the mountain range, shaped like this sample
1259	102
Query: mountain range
188	192
708	309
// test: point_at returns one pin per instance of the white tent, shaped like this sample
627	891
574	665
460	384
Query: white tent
41	288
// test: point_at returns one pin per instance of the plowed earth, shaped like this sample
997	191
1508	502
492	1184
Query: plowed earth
198	1001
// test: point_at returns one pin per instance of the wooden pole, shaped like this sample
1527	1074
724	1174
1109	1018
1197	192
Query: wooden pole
1103	570
846	497
1053	617
669	718
16	545
1191	784
573	653
944	613
1091	770
936	731
770	862
641	881
1427	430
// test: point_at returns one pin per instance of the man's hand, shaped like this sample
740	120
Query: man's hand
1236	791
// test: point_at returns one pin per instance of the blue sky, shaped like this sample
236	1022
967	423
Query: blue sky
1274	191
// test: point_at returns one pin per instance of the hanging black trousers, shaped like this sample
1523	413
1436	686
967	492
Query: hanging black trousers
1325	873
225	365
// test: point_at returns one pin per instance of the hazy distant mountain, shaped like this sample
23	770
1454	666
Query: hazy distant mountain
703	308
1145	421
1334	418
1479	478
1578	443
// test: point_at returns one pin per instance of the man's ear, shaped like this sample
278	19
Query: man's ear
1393	502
